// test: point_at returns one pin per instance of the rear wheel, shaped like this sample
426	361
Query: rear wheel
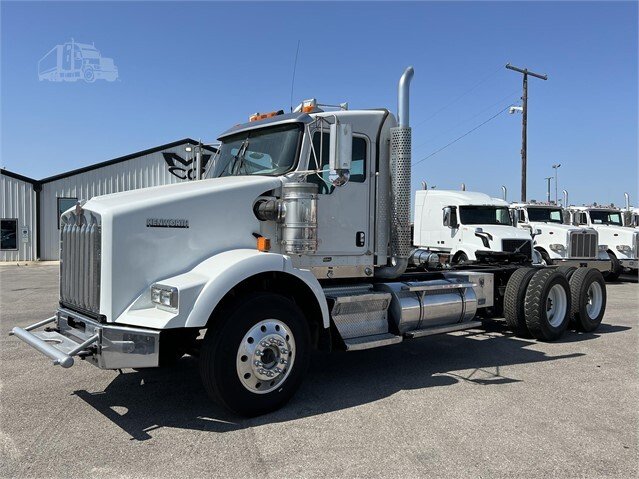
567	271
514	301
615	268
588	290
547	305
254	357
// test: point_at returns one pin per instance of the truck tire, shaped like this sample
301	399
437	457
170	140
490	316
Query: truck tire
615	268
567	271
461	258
514	297
88	74
547	305
588	291
545	257
255	355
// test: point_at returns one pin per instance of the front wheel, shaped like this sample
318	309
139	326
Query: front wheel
615	268
254	357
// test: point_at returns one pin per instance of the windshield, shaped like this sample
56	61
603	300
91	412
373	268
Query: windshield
547	215
268	151
605	218
484	215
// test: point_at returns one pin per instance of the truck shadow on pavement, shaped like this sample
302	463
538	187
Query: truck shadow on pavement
140	402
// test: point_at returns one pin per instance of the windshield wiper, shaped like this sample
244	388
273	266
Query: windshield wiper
239	157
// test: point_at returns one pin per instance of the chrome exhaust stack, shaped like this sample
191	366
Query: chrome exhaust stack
504	193
400	166
565	192
627	196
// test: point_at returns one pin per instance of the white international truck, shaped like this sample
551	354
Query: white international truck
299	239
621	242
559	243
463	226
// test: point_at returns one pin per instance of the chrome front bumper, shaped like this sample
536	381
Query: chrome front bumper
629	263
107	346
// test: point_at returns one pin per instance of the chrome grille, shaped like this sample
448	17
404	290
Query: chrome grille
80	250
583	245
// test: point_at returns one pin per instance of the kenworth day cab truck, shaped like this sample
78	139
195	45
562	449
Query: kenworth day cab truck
622	242
462	226
560	243
300	239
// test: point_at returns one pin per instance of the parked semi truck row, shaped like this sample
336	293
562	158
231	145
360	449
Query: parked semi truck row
622	242
560	243
300	239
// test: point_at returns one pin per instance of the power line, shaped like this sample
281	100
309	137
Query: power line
508	97
480	82
462	136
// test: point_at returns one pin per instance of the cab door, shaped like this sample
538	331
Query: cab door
343	212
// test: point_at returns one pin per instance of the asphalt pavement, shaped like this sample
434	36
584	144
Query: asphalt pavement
469	404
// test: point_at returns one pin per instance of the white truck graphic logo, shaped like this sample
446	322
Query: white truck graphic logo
74	61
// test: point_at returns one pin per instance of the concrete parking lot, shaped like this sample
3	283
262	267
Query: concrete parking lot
471	404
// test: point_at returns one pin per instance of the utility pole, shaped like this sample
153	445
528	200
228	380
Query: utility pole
548	178
524	122
556	167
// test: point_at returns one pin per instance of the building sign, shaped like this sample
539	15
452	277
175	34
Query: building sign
184	169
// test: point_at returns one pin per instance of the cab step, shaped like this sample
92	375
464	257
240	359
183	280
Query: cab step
369	342
359	312
449	328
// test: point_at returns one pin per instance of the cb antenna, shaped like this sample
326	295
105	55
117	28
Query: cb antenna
294	68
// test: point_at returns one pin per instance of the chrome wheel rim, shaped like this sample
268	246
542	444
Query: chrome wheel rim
594	300
556	305
265	356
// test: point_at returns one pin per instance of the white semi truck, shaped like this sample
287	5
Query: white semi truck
300	239
463	226
622	242
559	243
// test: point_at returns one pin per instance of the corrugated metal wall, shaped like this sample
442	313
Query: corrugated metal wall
140	172
17	200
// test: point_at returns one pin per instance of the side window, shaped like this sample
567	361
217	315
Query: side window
8	234
63	205
522	216
358	162
582	219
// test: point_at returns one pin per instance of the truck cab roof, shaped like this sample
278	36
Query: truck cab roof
461	198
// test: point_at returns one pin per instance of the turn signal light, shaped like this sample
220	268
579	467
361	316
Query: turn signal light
263	244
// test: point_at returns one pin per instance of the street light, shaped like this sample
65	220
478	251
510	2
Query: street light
556	167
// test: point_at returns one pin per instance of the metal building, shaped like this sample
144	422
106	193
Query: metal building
30	209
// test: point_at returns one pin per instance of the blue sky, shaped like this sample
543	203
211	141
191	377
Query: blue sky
194	69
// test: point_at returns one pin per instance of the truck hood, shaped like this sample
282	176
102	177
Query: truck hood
616	235
500	231
153	233
556	227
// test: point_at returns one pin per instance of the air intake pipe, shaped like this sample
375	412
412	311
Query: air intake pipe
400	166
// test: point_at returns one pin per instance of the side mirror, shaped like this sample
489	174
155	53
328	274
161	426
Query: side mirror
340	153
450	217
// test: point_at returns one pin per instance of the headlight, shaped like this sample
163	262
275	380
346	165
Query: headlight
166	296
603	247
624	248
557	248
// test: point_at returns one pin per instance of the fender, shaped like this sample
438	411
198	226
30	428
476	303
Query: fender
202	288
